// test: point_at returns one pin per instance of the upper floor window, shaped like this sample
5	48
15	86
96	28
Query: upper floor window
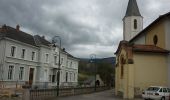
135	24
55	60
21	73
13	50
46	57
10	72
23	53
62	60
33	56
71	64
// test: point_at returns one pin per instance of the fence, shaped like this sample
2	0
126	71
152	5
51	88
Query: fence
44	94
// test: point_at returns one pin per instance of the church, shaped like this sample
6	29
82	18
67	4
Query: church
143	56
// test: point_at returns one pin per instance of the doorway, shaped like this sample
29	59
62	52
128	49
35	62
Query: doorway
31	76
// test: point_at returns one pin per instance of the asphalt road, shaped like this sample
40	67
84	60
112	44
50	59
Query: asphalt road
104	95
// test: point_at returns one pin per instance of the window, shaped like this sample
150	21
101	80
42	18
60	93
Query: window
71	64
23	53
155	40
55	60
74	76
70	76
66	76
21	73
10	72
33	56
135	24
62	60
13	50
46	57
122	67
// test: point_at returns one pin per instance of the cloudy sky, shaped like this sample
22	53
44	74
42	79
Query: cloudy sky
85	26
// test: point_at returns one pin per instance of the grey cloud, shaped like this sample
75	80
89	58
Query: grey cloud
85	26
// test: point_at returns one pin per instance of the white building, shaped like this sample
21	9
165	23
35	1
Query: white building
33	60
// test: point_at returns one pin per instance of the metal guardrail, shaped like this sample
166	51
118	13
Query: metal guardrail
44	94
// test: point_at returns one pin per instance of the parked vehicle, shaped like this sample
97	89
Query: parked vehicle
156	93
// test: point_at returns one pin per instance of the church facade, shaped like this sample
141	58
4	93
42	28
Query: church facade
142	58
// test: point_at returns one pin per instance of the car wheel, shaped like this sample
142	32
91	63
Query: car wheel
163	98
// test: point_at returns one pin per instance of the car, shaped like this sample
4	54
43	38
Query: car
156	93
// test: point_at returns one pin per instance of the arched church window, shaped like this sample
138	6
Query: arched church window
135	24
155	40
122	68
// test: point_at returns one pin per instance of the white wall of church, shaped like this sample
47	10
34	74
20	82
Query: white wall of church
167	44
140	40
167	34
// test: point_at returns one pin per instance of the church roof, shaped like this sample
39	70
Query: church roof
132	9
149	26
141	48
149	48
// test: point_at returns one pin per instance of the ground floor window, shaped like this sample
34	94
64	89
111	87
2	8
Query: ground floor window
10	72
21	73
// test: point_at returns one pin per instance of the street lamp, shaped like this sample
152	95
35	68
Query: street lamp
93	60
59	64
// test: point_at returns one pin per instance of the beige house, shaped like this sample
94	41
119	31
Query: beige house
142	59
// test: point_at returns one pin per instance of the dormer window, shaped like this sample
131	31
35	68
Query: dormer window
135	24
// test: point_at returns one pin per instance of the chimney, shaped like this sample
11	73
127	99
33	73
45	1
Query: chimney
64	49
17	27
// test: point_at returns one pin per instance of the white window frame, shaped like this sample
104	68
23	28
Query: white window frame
71	64
14	55
23	57
55	59
62	60
70	76
47	59
13	73
33	58
22	73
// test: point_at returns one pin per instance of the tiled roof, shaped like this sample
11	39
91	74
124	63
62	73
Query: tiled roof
123	42
68	54
149	48
18	35
41	41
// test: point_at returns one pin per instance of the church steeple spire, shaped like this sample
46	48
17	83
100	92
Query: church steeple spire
132	9
132	22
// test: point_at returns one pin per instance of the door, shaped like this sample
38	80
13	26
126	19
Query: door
31	76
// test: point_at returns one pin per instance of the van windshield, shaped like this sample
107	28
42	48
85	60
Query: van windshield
153	89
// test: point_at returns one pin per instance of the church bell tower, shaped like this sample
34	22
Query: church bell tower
132	22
